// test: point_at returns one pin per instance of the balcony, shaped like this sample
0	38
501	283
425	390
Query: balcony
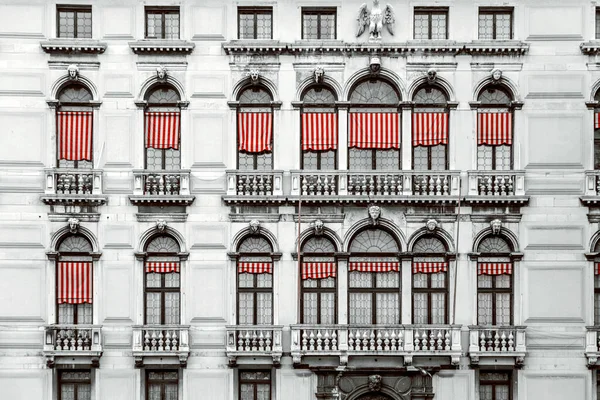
592	345
73	344
375	186
161	188
161	345
407	341
72	186
497	345
254	187
496	187
254	342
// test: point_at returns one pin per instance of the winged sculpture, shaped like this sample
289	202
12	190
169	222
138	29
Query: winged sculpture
375	19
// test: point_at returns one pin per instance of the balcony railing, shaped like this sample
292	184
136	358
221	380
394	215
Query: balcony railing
592	345
72	341
375	183
161	340
253	341
72	181
396	340
161	183
255	183
497	341
496	184
592	183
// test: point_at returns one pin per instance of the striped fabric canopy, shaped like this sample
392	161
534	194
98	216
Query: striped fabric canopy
596	120
494	129
319	131
74	135
261	267
162	130
162	267
374	130
596	268
429	267
318	270
430	128
255	131
74	282
494	269
374	266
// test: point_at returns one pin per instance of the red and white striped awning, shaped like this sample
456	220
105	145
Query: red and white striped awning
494	129
374	130
255	130
429	267
596	268
319	131
162	267
318	270
374	266
430	128
597	120
162	130
74	135
74	282
261	267
494	268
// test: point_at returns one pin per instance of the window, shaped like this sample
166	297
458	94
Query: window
255	385
318	23
319	278
494	283
162	22
74	22
255	129
494	129
597	22
430	129
162	385
495	385
74	130
319	124
255	282
597	287
495	23
74	385
255	22
162	282
597	134
162	131
430	282
374	104
431	23
374	278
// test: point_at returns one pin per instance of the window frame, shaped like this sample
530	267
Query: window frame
247	107
495	290
254	11
319	12
430	11
254	290
429	291
373	290
162	382
497	106
494	383
162	11
254	382
495	11
75	383
76	8
596	292
329	108
597	24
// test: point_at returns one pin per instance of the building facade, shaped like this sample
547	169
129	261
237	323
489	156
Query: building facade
256	200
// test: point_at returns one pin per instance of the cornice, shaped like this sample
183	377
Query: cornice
73	46
162	46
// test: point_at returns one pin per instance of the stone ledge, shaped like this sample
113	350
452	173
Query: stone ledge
162	46
73	46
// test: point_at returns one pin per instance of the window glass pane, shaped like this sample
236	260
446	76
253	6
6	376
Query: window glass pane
502	392
597	28
171	308
153	280
246	392
503	309
503	281
422	26
597	309
310	283
246	308
596	151
264	308
327	282
387	159
84	391
484	157
420	158
419	280
503	158
503	28
486	26
66	313
154	159
327	26
438	26
438	308
171	391
327	308
310	26
438	280
246	280
484	281
66	24
328	160
264	280
264	162
438	157
310	308
360	279
387	279
420	308
154	391
263	392
154	26
388	310
485	392
309	159
360	159
263	26
172	280
172	159
360	308
67	391
484	308
84	24
84	314
246	26
171	26
153	308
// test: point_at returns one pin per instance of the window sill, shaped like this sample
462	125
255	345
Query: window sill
496	47
69	46
154	46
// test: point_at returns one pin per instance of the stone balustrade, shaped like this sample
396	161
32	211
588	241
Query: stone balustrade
496	183
254	340
497	341
592	183
73	181
254	183
161	341
592	345
72	338
161	183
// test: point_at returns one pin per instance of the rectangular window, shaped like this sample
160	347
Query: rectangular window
494	294
255	22
162	294
318	23
162	22
74	385
318	291
597	22
495	23
430	293
255	385
596	139
494	385
255	293
374	297
596	294
74	22
431	23
162	385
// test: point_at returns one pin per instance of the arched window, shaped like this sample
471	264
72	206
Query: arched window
430	129
74	127
494	129
255	282
162	119
319	277
162	281
430	281
374	278
374	126
74	281
319	127
494	282
255	129
597	132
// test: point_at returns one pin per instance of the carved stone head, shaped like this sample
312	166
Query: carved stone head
318	74
496	226
161	225
431	75
73	225
254	226
375	383
496	74
374	65
432	225
374	214
73	71
161	73
319	226
254	76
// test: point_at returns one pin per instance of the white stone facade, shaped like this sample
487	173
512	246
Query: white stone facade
549	215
